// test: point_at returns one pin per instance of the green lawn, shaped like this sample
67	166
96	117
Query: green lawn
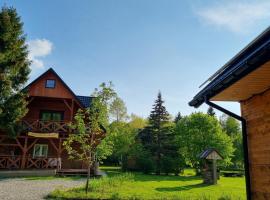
120	185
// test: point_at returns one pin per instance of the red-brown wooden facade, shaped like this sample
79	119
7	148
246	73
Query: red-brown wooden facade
18	153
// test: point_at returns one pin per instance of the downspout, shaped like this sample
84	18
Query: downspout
245	143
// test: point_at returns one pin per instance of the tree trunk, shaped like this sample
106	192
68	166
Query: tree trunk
88	178
88	173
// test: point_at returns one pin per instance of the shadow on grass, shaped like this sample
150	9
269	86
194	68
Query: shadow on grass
144	177
149	177
181	188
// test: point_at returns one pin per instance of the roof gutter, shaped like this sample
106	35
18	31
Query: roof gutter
235	70
245	143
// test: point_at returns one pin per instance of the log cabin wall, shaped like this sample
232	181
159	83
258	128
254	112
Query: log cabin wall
256	111
60	91
46	104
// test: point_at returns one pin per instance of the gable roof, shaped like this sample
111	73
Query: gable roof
246	61
82	100
207	152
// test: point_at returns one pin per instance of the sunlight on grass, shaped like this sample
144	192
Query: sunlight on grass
120	185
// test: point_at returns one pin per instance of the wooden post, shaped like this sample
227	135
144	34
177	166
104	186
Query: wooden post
214	162
24	151
72	110
59	161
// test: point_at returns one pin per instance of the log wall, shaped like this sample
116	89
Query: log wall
256	111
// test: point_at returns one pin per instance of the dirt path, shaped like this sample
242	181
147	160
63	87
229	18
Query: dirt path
24	189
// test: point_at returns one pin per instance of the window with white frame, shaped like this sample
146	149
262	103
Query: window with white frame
40	150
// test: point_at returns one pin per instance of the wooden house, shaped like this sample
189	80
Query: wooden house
51	107
246	79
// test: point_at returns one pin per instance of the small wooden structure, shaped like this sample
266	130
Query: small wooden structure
209	171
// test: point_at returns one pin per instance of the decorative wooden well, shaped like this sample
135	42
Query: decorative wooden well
209	170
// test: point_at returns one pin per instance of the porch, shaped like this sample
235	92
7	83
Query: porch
15	162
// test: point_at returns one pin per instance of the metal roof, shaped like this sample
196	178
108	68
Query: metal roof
250	58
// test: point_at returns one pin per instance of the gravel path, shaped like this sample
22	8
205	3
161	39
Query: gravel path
23	189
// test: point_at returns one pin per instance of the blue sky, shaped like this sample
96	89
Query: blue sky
142	46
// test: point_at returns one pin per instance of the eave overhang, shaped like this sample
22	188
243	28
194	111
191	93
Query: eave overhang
255	55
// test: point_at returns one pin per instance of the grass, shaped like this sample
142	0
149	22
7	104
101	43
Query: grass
120	185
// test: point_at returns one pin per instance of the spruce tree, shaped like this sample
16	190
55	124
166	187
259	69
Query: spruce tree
157	137
14	70
211	111
178	118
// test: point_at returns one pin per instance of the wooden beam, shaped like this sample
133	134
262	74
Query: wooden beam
18	142
69	107
33	143
60	147
72	110
14	145
24	153
54	146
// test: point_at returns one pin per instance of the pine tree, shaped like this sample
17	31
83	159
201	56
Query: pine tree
159	115
14	70
178	118
157	137
211	111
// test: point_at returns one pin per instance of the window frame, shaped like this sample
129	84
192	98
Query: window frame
51	113
53	84
41	146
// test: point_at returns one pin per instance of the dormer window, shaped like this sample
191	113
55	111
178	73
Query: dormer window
50	83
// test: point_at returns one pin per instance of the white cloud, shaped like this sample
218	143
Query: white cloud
235	16
38	49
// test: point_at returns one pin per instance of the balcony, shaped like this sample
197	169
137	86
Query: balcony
41	126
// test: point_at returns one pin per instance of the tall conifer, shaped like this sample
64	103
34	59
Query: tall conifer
14	69
157	136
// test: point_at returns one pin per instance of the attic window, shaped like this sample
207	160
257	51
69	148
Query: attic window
50	83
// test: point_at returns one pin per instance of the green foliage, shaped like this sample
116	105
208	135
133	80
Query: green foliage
230	125
198	132
14	70
172	164
88	128
178	118
136	122
232	128
122	136
158	138
118	110
104	149
145	162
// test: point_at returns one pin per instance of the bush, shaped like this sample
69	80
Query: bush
138	159
145	163
171	165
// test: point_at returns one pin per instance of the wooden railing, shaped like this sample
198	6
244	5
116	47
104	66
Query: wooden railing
43	162
42	126
10	162
14	162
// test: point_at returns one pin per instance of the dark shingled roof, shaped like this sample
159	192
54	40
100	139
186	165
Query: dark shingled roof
205	153
85	100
